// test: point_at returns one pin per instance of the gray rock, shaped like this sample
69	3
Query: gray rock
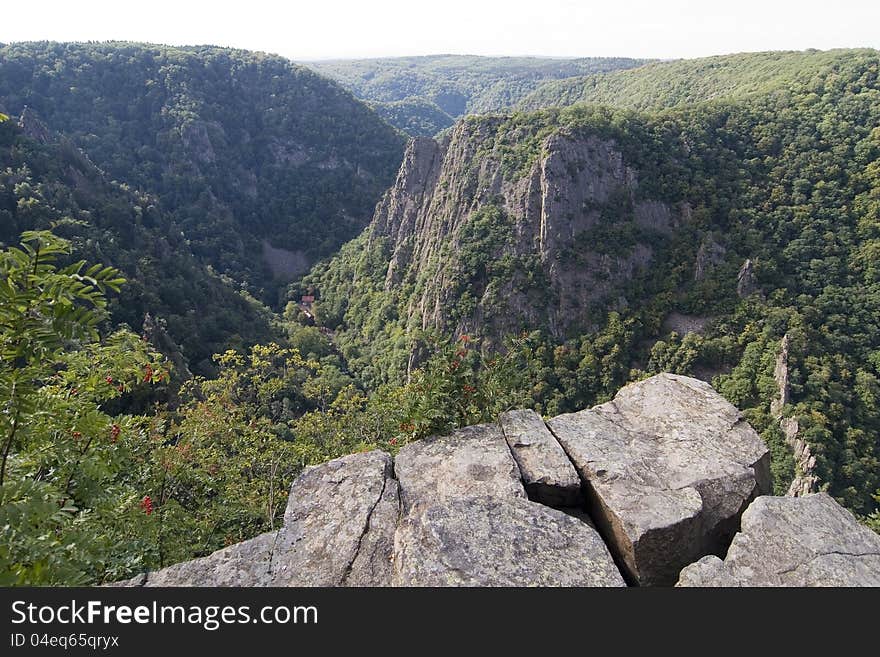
242	564
670	467
372	565
548	475
472	462
328	514
787	541
499	542
745	280
710	255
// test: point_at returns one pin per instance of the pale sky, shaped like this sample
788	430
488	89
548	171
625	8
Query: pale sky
321	29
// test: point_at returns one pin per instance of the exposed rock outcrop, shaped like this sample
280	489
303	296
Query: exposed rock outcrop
805	480
550	207
328	521
472	462
486	541
667	469
547	473
670	466
710	255
745	280
249	561
806	541
33	127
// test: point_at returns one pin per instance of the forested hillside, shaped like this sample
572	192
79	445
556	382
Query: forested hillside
239	147
52	184
424	95
597	231
667	84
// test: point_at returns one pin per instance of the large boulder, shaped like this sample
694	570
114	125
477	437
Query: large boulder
547	473
329	514
243	564
794	541
666	470
670	466
490	541
471	462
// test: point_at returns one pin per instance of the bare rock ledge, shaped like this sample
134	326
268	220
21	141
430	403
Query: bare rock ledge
794	541
670	466
650	487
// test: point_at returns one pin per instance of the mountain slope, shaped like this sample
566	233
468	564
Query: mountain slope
753	220
452	85
667	84
241	148
48	183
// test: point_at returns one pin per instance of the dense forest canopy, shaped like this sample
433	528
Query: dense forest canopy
54	185
240	147
196	164
666	84
424	95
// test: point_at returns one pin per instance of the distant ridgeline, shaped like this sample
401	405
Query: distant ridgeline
424	95
191	158
741	206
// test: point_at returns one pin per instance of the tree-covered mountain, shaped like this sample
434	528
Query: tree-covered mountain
424	95
245	151
699	239
670	83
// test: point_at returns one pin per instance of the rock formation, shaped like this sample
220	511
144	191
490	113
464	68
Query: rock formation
805	480
670	466
549	206
710	255
548	474
646	485
745	280
33	127
805	541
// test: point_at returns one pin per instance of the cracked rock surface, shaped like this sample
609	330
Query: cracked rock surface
548	475
327	522
794	541
662	476
471	462
670	466
486	541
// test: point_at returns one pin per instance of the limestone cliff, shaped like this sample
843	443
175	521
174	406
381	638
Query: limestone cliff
629	492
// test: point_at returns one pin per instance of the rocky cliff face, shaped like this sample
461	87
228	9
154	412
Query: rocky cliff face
805	479
484	234
630	492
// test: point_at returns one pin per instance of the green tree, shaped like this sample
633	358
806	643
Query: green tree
67	493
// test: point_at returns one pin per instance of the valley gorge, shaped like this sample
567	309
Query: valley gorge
606	322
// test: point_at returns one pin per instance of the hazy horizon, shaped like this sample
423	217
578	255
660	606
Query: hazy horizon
398	28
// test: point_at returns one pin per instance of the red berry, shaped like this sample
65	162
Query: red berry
147	505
